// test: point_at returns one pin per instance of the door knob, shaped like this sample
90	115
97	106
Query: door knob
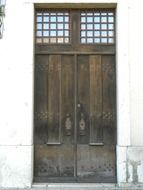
78	105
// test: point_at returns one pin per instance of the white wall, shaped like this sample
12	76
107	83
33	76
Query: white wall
16	98
136	70
16	95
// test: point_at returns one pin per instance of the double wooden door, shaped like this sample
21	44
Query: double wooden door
75	116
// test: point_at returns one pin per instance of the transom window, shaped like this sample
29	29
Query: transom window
52	27
95	26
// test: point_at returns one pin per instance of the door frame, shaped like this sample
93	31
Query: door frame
122	80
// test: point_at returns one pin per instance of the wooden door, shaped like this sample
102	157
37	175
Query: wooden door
75	98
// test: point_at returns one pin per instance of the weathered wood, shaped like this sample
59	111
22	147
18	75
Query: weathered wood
75	111
96	130
109	99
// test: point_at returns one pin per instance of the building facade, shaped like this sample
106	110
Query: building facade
17	79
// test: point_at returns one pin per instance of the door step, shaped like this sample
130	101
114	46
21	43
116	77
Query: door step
85	186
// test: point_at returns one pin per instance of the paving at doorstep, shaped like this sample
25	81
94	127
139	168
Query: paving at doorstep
79	187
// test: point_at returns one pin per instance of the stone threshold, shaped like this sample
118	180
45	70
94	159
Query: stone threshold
80	186
86	186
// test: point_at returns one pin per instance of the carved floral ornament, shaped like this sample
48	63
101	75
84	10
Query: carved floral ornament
2	15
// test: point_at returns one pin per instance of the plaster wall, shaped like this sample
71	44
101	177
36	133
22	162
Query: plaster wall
16	82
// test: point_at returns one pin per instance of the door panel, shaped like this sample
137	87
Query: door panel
109	100
54	161
96	164
82	99
54	99
54	116
95	94
75	118
40	98
96	86
68	99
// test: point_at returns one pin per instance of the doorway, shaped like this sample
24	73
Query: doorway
75	96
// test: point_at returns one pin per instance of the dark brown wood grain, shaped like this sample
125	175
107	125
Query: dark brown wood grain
75	110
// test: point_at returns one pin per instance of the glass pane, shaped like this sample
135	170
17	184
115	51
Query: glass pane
66	26
97	26
46	26
110	26
110	13
39	33
53	26
66	19
83	19
46	19
38	40
97	33
104	14
39	19
66	33
60	40
89	19
83	40
46	14
39	14
83	26
89	40
60	26
111	40
111	33
52	40
97	40
83	33
52	33
103	40
46	33
96	19
96	14
90	33
60	19
45	40
60	33
60	14
89	14
89	26
53	19
104	26
103	19
39	26
104	33
110	19
66	40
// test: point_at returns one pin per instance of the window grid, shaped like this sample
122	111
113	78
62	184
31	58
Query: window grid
52	27
97	26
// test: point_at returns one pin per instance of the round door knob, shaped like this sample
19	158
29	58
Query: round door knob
78	105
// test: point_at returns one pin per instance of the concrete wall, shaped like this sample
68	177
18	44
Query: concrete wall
16	99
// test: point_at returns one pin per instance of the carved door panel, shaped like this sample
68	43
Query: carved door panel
96	118
54	116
